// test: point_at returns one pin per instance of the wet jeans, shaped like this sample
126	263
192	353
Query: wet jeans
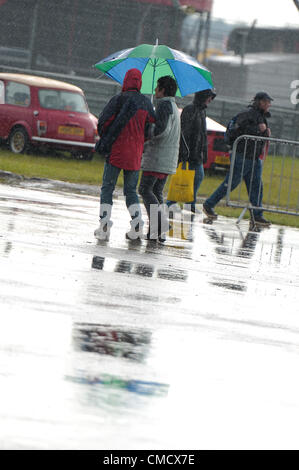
252	175
110	177
198	177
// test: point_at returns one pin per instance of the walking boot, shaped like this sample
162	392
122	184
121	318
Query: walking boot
209	211
102	233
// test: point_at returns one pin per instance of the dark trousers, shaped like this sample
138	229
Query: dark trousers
151	190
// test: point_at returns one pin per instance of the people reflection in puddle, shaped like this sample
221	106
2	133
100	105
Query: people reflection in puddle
144	270
120	343
140	269
226	284
123	266
111	340
245	250
126	267
218	240
98	262
279	245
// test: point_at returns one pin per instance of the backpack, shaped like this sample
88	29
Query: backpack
232	132
104	144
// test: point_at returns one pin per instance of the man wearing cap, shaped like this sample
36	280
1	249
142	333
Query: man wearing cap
247	164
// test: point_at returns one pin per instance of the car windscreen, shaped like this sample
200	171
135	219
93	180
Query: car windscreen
62	100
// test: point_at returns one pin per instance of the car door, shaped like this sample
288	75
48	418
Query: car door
3	123
15	107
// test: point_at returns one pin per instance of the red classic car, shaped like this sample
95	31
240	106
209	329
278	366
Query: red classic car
42	111
218	155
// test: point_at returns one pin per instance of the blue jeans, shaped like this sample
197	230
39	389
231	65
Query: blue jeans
198	177
252	175
110	177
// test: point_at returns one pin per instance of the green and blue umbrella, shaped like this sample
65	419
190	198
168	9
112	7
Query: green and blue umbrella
155	62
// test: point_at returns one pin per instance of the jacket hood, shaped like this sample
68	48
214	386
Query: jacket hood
201	96
132	80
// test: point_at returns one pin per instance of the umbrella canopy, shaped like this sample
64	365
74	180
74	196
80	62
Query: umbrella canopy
155	62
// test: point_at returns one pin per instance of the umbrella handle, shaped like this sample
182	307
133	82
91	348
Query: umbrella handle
152	98
154	66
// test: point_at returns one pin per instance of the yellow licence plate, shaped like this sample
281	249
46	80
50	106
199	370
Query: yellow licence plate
222	160
68	130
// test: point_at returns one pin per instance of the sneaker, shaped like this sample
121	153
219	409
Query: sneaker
102	232
261	221
209	211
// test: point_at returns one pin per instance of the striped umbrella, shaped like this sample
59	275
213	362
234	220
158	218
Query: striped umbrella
155	62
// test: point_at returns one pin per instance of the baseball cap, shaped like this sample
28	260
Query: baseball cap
262	95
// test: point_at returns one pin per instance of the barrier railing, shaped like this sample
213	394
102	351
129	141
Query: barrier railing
269	168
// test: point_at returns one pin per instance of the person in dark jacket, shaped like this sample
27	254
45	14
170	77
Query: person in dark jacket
193	145
248	164
122	128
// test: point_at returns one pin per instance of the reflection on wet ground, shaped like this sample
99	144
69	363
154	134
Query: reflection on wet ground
248	245
145	270
241	287
188	344
140	387
110	340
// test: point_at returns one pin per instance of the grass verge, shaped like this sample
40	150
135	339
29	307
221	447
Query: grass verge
63	168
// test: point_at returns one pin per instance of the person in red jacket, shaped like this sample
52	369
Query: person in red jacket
122	128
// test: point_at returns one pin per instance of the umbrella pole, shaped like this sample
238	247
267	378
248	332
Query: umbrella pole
152	98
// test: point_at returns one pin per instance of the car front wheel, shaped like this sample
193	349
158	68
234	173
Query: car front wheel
87	155
18	140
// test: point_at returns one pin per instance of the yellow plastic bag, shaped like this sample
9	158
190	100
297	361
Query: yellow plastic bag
181	187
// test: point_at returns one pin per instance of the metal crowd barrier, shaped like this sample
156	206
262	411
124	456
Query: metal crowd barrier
277	190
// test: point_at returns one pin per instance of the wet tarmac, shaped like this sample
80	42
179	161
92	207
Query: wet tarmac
189	345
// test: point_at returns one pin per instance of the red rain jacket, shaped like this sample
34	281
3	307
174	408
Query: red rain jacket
122	123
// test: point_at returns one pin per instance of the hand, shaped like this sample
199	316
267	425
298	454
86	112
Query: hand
102	146
263	128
